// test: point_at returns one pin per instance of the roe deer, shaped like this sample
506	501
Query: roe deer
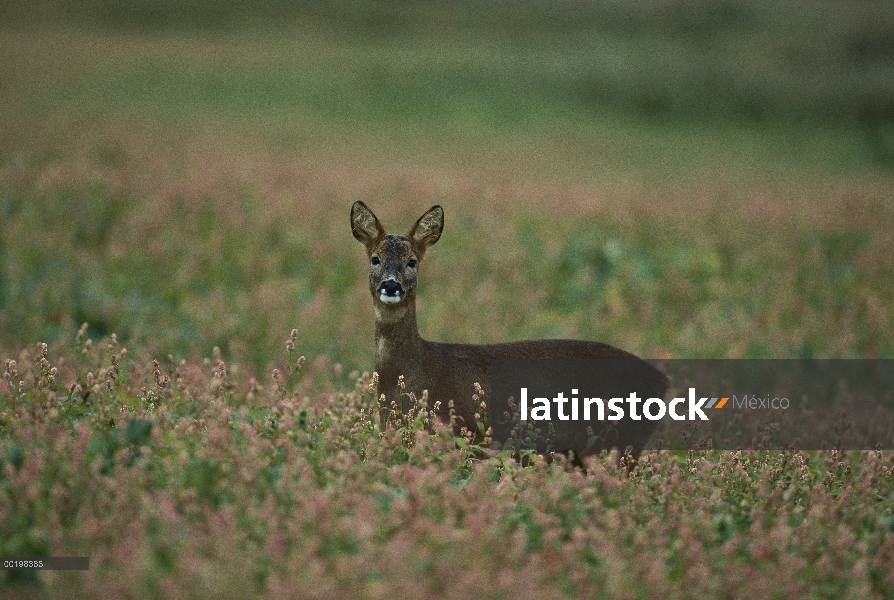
449	371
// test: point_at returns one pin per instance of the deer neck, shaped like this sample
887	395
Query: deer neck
397	336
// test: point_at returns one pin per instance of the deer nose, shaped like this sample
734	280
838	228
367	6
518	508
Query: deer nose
391	288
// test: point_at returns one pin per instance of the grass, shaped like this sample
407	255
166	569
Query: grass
184	183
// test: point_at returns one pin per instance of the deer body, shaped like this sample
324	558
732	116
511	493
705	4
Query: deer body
447	371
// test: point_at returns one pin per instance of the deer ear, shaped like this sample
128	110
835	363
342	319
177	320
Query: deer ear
428	228
364	224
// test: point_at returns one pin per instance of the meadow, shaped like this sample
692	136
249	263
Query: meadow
175	188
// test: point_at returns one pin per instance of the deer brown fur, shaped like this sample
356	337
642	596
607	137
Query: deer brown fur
447	371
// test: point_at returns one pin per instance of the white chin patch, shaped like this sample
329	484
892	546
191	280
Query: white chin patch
389	299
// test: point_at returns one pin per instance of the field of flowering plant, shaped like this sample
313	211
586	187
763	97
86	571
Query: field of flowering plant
190	479
187	395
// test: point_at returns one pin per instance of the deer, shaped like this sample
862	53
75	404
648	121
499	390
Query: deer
406	363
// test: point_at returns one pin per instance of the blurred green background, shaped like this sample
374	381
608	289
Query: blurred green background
515	65
709	178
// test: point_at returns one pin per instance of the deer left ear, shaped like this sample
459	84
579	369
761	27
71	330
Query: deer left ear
428	228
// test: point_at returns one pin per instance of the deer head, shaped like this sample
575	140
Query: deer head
394	259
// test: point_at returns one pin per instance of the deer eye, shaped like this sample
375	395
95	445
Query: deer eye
375	260
411	263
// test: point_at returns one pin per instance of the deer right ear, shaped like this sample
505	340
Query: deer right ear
364	224
428	228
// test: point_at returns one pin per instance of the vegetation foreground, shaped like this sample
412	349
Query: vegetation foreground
188	480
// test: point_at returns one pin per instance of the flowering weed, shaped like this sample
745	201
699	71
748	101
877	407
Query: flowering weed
210	484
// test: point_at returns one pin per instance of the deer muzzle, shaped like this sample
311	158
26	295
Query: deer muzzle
390	292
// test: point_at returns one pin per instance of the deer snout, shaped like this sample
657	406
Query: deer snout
390	292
